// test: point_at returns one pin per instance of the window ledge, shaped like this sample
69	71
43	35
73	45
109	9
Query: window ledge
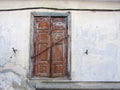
50	79
74	85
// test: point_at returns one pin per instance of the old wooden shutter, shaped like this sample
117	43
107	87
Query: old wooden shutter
50	46
41	42
59	51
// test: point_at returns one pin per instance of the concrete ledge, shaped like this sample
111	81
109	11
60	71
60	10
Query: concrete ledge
72	85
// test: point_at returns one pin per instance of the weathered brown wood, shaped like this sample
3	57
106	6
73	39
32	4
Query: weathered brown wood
53	61
42	41
59	50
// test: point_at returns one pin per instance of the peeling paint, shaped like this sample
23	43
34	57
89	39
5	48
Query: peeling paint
7	77
11	79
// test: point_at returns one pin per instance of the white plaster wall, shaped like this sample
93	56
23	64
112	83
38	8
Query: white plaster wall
82	4
14	33
97	32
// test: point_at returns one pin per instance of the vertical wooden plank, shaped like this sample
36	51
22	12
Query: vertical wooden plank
42	41
59	50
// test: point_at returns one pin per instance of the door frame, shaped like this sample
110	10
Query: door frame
31	47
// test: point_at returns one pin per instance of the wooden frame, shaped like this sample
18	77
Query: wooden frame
33	14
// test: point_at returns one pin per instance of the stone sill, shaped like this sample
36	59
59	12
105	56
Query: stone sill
71	85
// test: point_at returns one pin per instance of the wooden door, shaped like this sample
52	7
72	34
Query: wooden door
50	47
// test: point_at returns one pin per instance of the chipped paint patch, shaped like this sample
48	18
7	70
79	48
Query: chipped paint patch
7	77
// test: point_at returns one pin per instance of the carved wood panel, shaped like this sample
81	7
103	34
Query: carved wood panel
50	47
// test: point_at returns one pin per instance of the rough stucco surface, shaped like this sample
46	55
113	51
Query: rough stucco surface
13	34
82	4
97	32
